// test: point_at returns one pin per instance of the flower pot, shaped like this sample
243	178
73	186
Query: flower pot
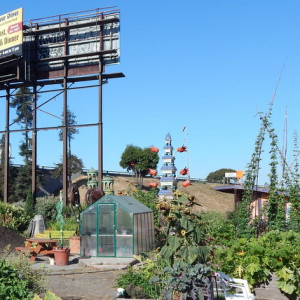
74	244
61	256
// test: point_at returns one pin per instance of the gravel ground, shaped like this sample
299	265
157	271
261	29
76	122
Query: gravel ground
87	285
88	279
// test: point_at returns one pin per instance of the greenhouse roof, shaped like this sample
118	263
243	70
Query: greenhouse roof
127	202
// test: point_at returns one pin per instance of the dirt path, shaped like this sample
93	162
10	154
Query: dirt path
87	285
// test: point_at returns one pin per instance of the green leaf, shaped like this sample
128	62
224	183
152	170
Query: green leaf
252	268
286	287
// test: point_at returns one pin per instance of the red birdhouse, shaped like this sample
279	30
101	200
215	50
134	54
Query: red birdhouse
186	183
154	149
184	171
152	172
153	184
182	149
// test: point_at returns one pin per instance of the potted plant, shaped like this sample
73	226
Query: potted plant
61	254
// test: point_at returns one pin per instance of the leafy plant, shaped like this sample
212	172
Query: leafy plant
136	281
189	281
45	206
256	259
18	280
13	217
187	239
219	227
70	224
29	204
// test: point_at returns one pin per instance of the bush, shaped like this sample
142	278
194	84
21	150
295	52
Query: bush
18	280
255	259
45	206
13	217
219	227
70	224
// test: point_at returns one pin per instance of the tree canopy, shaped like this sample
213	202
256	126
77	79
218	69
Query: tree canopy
138	160
218	175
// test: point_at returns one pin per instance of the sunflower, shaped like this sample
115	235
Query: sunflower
183	232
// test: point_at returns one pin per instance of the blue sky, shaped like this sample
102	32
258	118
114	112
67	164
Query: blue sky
206	65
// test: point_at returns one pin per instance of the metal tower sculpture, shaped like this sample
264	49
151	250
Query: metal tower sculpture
168	180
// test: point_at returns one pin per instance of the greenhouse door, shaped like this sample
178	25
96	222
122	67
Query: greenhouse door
106	229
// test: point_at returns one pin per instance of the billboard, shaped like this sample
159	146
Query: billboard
80	41
11	33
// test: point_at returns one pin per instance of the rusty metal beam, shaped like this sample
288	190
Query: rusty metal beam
68	27
34	144
6	152
61	80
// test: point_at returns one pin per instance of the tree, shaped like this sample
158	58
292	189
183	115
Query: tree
22	102
75	165
71	131
139	161
218	176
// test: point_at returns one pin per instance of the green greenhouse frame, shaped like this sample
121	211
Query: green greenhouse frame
116	226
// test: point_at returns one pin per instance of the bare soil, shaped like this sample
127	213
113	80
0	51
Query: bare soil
204	193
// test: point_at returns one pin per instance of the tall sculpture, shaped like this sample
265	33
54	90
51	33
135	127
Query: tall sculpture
168	182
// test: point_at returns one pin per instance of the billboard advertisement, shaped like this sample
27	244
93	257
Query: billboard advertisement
11	33
80	41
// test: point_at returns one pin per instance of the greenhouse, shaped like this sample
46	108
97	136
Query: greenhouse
116	226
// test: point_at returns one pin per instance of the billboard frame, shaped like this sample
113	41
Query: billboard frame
64	74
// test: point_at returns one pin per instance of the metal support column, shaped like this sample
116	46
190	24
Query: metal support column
34	144
100	132
65	143
6	154
65	120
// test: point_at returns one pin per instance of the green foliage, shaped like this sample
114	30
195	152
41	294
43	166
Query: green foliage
13	217
36	282
189	281
136	281
18	280
45	206
187	239
149	199
12	286
75	165
255	259
218	175
70	224
48	296
22	183
139	161
242	218
294	190
29	205
220	228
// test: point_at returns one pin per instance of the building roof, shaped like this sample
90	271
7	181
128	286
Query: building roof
127	202
231	189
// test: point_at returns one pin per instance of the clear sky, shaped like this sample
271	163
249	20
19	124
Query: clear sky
206	65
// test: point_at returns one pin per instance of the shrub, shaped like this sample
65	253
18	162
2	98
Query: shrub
219	227
45	206
255	259
13	217
18	280
70	224
36	283
29	204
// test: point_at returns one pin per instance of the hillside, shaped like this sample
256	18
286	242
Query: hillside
204	194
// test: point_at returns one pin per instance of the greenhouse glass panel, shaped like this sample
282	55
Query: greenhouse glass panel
106	235
116	226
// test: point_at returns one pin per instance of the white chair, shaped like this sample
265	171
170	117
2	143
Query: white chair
240	287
